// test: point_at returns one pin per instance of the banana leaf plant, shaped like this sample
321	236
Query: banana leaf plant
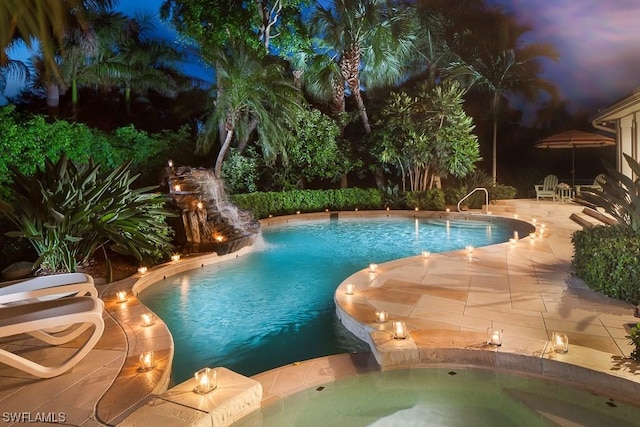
69	212
619	196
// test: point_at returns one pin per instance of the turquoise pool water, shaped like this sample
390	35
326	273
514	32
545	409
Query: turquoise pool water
275	306
436	397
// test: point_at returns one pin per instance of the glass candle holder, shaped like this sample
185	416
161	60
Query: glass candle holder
399	330
382	317
494	336
142	270
121	296
175	257
349	289
206	380
373	268
147	319
146	361
560	342
426	254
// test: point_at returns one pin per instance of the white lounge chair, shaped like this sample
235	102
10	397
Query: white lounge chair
34	318
48	287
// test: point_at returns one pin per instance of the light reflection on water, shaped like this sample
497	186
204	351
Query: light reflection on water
275	306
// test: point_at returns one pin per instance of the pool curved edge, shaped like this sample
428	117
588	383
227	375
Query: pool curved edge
459	344
439	331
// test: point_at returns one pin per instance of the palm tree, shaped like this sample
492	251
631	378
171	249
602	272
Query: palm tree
495	60
43	21
254	91
370	40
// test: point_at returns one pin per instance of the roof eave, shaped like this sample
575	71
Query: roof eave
620	109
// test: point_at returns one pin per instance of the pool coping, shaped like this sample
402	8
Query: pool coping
409	354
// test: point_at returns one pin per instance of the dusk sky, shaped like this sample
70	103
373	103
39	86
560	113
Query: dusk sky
598	42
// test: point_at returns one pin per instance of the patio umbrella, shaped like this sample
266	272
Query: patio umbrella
575	139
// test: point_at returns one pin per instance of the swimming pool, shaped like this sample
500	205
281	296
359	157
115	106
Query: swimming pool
447	396
275	306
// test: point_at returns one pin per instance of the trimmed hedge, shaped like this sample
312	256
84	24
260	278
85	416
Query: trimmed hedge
289	202
607	258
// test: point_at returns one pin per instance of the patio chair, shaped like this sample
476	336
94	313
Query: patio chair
48	287
547	188
598	181
33	318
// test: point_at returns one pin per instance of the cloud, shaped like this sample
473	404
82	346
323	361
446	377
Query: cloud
597	44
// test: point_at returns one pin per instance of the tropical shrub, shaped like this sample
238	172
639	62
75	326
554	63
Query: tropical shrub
430	200
426	135
393	197
607	258
289	202
502	192
68	212
27	140
240	173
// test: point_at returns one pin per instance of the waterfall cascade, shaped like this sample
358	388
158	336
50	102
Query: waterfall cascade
211	222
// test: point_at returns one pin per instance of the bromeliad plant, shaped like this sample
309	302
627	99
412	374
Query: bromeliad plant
69	212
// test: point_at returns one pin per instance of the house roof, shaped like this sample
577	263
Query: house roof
620	109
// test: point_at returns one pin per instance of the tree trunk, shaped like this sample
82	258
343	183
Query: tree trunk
53	95
223	150
344	182
74	95
350	69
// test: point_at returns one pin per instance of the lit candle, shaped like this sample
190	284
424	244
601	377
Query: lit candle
146	360
382	317
177	188
426	254
494	336
533	220
560	342
297	212
200	205
170	163
147	319
512	242
532	236
373	268
469	249
356	209
416	208
349	289
399	330
542	226
142	270
447	210
175	257
206	380
515	216
387	207
121	296
515	235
